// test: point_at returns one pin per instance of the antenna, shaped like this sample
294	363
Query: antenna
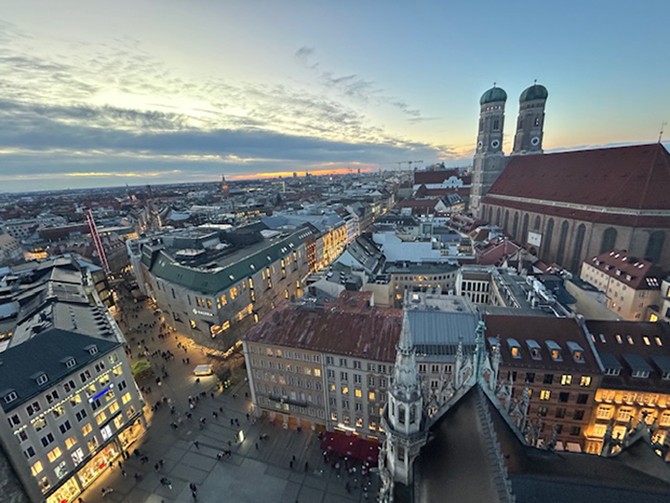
660	134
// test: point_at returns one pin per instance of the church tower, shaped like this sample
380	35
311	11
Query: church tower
489	160
530	124
403	418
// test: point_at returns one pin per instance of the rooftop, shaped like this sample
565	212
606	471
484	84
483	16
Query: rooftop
637	273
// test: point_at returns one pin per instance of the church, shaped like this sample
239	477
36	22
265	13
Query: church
478	444
567	206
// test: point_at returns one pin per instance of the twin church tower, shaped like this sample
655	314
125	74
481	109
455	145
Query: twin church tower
489	159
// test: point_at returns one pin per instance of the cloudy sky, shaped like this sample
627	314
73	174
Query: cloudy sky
96	93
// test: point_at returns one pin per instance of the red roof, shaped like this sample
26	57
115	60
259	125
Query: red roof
635	177
637	273
437	176
497	251
338	329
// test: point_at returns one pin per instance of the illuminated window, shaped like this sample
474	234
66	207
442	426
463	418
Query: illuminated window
618	339
70	442
629	338
585	381
359	422
317	372
54	455
545	394
358	393
345	390
371	396
333	416
126	398
36	468
515	352
566	379
599	430
665	419
86	429
625	414
114	407
193	325
332	387
100	418
658	341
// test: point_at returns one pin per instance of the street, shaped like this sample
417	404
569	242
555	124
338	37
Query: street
269	465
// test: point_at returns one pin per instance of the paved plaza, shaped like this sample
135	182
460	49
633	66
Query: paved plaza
258	471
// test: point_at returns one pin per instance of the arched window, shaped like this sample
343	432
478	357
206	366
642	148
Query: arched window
562	240
481	124
519	124
524	228
401	414
537	121
655	246
577	248
609	240
547	238
490	214
498	217
538	222
496	124
515	224
506	222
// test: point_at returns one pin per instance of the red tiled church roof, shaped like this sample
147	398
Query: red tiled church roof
635	177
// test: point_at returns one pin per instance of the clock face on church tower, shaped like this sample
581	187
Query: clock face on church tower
495	144
535	141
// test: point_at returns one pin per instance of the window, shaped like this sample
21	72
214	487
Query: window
29	452
345	390
86	429
575	431
54	454
47	439
604	412
371	396
81	415
542	411
343	362
10	397
14	420
548	378
70	442
344	376
566	379
545	394
582	398
36	468
66	426
530	377
585	381
578	415
563	397
560	413
358	393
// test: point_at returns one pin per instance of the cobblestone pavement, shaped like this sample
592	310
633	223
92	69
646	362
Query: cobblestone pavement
258	471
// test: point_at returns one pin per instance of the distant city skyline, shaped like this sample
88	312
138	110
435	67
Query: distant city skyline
103	94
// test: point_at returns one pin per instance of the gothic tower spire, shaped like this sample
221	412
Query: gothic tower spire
530	124
489	158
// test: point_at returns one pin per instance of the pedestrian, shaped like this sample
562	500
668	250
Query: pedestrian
291	464
232	422
123	472
256	445
197	444
306	466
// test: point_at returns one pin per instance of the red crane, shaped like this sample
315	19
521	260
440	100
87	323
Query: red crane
96	240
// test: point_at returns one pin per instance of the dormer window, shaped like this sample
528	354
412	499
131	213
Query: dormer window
92	349
666	376
554	351
534	349
612	372
515	348
629	338
641	374
41	379
618	339
69	362
602	338
577	351
10	397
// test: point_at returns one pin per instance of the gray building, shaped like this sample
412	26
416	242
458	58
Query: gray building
210	284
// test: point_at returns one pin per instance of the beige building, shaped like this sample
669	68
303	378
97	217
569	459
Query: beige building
636	382
324	366
630	284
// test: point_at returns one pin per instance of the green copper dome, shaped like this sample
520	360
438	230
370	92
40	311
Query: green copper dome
492	95
534	92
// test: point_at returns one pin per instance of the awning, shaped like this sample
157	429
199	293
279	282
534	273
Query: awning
351	446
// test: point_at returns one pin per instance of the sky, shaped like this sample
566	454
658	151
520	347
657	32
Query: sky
101	93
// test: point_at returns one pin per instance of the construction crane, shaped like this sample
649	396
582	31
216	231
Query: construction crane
97	242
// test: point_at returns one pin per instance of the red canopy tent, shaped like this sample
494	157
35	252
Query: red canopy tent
351	446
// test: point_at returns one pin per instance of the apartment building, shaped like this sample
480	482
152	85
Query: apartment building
661	311
631	284
554	359
211	285
636	382
324	366
69	403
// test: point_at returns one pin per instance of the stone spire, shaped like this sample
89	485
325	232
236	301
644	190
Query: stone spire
405	384
480	350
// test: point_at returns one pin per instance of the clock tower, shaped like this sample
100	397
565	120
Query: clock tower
489	159
530	124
